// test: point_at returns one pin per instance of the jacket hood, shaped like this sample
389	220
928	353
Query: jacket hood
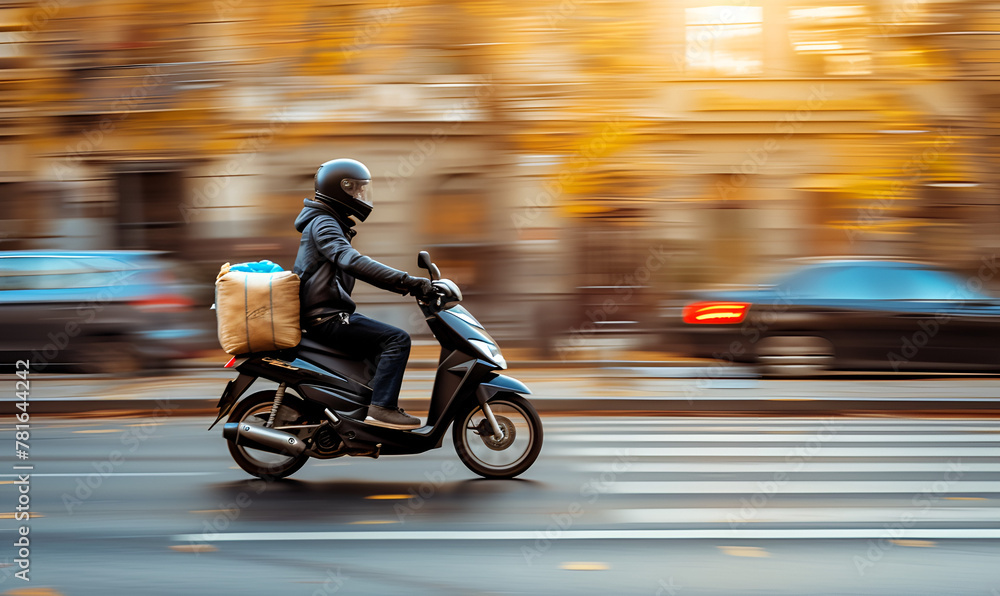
312	209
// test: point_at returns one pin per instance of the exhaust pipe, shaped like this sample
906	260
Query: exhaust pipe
265	439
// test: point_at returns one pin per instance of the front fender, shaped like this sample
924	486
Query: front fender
494	383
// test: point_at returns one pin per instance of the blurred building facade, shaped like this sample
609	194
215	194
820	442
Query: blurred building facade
571	163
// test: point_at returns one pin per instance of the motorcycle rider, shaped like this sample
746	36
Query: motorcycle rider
328	266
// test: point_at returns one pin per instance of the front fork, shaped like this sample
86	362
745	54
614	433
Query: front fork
484	404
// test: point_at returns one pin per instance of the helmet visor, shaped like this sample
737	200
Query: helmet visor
361	190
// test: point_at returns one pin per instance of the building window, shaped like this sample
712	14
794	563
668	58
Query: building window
724	40
456	231
150	210
832	40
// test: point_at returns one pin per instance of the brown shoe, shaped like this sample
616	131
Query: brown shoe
391	418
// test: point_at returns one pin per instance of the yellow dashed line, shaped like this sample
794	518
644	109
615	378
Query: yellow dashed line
915	543
583	566
34	592
387	497
11	515
193	548
373	522
744	551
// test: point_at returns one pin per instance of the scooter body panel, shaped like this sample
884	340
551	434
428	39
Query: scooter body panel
342	402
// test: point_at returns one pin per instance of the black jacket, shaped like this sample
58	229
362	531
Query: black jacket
328	265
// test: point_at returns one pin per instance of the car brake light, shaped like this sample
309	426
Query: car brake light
716	312
231	362
166	303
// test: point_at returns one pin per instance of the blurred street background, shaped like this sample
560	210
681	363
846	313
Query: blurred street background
551	156
740	252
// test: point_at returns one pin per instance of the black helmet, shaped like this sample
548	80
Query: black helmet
345	183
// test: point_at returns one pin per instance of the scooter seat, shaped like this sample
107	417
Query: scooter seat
315	346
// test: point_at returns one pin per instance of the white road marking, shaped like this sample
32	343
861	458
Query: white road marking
989	433
89	472
929	488
651	467
622	534
765	514
820	436
758	422
802	451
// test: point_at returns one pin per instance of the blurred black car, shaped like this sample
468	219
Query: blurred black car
851	315
96	311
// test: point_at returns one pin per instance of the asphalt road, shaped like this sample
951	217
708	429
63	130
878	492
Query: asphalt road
613	506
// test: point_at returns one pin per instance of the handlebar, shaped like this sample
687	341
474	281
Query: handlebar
446	292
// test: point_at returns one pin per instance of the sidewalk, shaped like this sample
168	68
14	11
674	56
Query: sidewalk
424	356
607	388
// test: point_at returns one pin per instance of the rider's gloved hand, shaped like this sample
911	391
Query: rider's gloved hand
422	288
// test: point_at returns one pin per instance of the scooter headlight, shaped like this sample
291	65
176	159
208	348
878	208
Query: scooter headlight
490	352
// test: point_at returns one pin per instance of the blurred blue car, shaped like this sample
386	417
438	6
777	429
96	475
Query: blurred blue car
93	311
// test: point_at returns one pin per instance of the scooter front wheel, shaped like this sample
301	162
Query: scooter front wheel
499	457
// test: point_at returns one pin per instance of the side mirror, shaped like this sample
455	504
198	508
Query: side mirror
424	262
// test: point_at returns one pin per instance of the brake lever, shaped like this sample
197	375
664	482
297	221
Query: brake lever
436	302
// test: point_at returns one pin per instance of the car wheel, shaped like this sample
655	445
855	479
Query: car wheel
794	356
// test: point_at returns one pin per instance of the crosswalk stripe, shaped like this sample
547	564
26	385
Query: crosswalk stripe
819	437
987	433
757	515
755	422
756	452
779	466
867	452
816	487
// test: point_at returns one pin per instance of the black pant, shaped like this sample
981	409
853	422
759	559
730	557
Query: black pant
385	349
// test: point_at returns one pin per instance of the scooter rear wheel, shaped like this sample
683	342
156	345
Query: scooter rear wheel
514	452
254	410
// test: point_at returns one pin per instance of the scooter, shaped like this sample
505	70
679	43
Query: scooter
319	407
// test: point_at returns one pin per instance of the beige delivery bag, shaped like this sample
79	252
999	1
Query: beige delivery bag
257	312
